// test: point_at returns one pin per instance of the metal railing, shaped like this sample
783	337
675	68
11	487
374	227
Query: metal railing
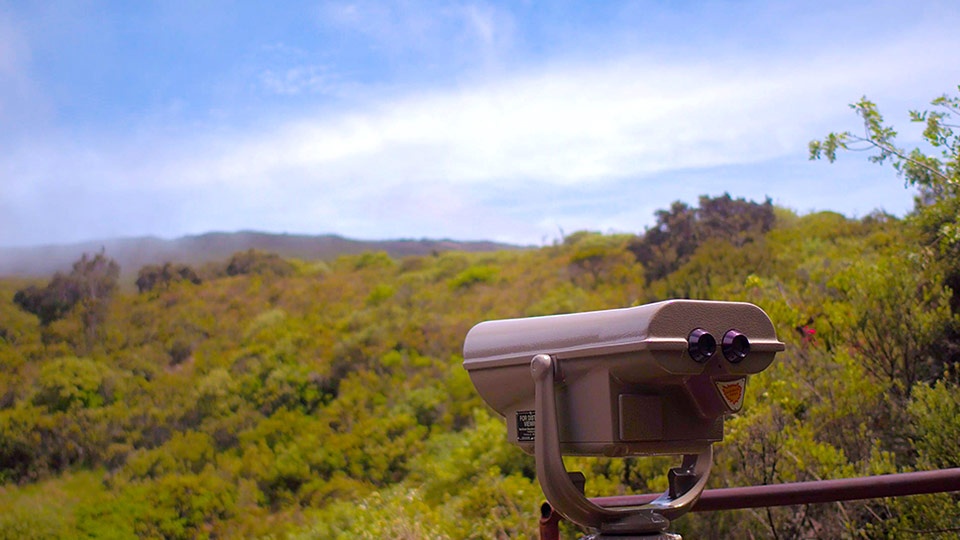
822	491
796	493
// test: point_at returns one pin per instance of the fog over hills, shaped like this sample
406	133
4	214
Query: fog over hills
134	253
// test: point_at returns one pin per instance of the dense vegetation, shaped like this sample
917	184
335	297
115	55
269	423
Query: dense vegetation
134	253
275	397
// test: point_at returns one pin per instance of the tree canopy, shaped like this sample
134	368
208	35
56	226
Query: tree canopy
679	231
90	284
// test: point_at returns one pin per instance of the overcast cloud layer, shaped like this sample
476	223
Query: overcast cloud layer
460	120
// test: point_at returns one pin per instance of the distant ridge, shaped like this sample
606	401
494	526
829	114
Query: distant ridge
134	253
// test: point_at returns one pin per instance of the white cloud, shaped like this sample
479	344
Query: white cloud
20	99
482	22
298	80
430	29
567	125
441	161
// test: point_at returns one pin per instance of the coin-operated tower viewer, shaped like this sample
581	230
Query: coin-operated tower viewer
648	380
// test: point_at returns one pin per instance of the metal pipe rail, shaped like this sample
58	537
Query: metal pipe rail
822	491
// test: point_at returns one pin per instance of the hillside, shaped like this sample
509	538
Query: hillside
134	253
328	401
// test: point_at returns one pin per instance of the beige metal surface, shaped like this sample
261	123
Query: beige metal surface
627	383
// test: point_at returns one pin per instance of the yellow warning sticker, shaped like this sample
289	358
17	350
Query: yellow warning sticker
732	392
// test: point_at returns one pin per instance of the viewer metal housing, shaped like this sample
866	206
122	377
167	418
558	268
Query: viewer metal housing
652	379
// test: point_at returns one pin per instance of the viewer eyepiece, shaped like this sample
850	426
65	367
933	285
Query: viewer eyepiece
701	345
735	346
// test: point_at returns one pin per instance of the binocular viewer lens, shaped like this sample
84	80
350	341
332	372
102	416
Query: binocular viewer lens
735	346
702	345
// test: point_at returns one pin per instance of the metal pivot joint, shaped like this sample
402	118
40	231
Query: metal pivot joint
652	519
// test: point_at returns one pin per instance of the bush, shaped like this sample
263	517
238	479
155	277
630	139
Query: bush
258	262
474	275
153	276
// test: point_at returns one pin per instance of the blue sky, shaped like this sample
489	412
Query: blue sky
508	121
